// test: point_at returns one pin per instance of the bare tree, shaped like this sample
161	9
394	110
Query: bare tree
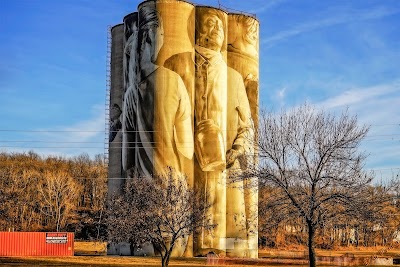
59	198
18	192
30	185
379	214
92	177
312	158
156	210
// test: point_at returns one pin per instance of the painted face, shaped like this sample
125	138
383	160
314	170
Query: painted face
251	34
158	41
115	112
133	26
213	32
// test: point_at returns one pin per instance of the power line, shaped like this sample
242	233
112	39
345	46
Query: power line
72	147
387	169
38	141
368	136
389	124
387	139
87	131
375	135
107	131
103	177
39	147
52	131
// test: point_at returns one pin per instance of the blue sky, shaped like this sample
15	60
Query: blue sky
333	54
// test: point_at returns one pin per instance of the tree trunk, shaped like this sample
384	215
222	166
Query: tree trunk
311	251
165	260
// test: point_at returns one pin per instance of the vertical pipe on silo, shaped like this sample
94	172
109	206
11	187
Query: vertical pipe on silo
115	184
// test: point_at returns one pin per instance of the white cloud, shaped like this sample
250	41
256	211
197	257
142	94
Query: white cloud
281	93
280	96
266	6
84	136
377	107
334	19
87	129
359	95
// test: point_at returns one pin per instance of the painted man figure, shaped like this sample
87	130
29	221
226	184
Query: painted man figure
222	124
159	103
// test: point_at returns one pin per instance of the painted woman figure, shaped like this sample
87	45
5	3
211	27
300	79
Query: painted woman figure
129	123
164	129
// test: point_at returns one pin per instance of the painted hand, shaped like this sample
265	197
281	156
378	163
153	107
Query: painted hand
231	156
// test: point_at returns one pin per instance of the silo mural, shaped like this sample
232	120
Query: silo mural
129	107
210	111
188	105
243	57
116	99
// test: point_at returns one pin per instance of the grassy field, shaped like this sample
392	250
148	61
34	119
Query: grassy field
90	248
93	254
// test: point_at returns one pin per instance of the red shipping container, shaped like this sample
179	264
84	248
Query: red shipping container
58	244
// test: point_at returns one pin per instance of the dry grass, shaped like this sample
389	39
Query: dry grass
297	252
90	248
94	254
113	261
